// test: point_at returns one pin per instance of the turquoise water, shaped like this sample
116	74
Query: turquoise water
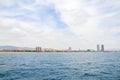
60	66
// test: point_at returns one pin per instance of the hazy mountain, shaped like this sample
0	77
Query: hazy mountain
15	47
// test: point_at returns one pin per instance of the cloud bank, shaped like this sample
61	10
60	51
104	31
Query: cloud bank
60	23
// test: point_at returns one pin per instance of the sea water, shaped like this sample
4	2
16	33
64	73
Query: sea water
60	66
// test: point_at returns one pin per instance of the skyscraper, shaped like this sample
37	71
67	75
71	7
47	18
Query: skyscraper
98	47
69	48
38	49
102	47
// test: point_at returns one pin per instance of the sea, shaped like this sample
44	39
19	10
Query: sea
60	66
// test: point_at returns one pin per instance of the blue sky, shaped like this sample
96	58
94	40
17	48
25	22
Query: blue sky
60	23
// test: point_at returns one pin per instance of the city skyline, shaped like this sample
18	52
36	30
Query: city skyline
60	23
42	49
99	48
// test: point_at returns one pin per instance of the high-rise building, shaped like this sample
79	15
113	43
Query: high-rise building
98	47
38	49
102	47
69	48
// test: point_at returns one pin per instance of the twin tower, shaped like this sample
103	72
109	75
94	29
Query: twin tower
100	47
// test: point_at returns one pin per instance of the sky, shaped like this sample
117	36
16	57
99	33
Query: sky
59	24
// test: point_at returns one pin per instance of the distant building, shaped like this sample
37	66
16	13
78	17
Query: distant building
38	49
102	47
88	50
98	47
69	48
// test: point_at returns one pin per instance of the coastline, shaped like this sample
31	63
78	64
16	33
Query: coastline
61	52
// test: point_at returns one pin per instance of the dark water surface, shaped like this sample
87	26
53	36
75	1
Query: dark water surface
60	66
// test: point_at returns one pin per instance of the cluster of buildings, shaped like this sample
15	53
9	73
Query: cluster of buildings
100	47
40	49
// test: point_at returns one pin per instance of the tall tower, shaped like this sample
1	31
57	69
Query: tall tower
38	49
69	48
102	47
98	47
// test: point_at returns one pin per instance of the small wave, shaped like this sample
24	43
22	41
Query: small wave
65	68
2	75
2	64
89	74
51	79
105	73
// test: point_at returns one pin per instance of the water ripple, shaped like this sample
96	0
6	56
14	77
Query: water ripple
60	66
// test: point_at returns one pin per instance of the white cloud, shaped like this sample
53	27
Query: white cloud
80	18
85	19
29	34
7	3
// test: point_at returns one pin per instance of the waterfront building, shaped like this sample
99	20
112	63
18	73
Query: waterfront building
69	48
38	49
98	47
102	47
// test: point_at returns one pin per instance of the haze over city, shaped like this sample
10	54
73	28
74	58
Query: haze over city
60	23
